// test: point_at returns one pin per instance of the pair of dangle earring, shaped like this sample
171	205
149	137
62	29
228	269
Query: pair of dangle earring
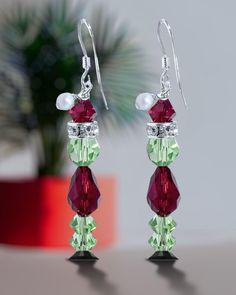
83	149
162	149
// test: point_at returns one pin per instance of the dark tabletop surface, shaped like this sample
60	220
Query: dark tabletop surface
200	270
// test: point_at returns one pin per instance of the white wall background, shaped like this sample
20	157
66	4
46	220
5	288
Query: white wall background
206	47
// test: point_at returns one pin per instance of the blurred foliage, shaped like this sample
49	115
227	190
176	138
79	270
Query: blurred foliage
41	58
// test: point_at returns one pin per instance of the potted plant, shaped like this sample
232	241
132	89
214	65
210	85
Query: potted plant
41	58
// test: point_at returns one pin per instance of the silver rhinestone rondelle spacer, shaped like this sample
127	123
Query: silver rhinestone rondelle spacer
162	130
82	130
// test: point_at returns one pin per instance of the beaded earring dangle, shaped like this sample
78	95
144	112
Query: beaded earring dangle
162	149
83	149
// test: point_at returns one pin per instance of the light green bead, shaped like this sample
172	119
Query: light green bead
162	151
82	239
162	242
162	224
83	224
162	239
83	242
83	151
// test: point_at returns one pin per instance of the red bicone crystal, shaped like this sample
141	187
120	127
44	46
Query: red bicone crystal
83	111
163	195
83	193
162	111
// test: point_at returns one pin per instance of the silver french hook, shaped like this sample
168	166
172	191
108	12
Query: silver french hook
166	24
84	22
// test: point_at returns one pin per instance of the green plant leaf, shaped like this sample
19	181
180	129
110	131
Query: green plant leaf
41	43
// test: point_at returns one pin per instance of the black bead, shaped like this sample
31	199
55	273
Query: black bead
162	256
83	256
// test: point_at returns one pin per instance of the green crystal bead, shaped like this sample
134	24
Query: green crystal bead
83	242
162	224
82	239
83	151
162	242
83	224
162	151
162	239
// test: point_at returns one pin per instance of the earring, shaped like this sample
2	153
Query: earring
83	149
162	149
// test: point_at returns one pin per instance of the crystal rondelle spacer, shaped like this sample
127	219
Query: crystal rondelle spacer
82	130
162	130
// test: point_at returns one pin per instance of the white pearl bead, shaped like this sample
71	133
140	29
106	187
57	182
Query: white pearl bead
144	101
65	101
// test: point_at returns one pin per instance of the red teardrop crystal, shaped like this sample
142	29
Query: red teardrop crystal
163	195
162	111
83	111
83	193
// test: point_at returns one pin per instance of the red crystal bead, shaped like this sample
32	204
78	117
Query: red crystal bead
83	193
83	111
163	195
162	111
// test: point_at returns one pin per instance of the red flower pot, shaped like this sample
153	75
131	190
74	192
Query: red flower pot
36	212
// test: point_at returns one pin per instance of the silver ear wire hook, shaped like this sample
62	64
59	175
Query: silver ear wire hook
87	85
164	79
